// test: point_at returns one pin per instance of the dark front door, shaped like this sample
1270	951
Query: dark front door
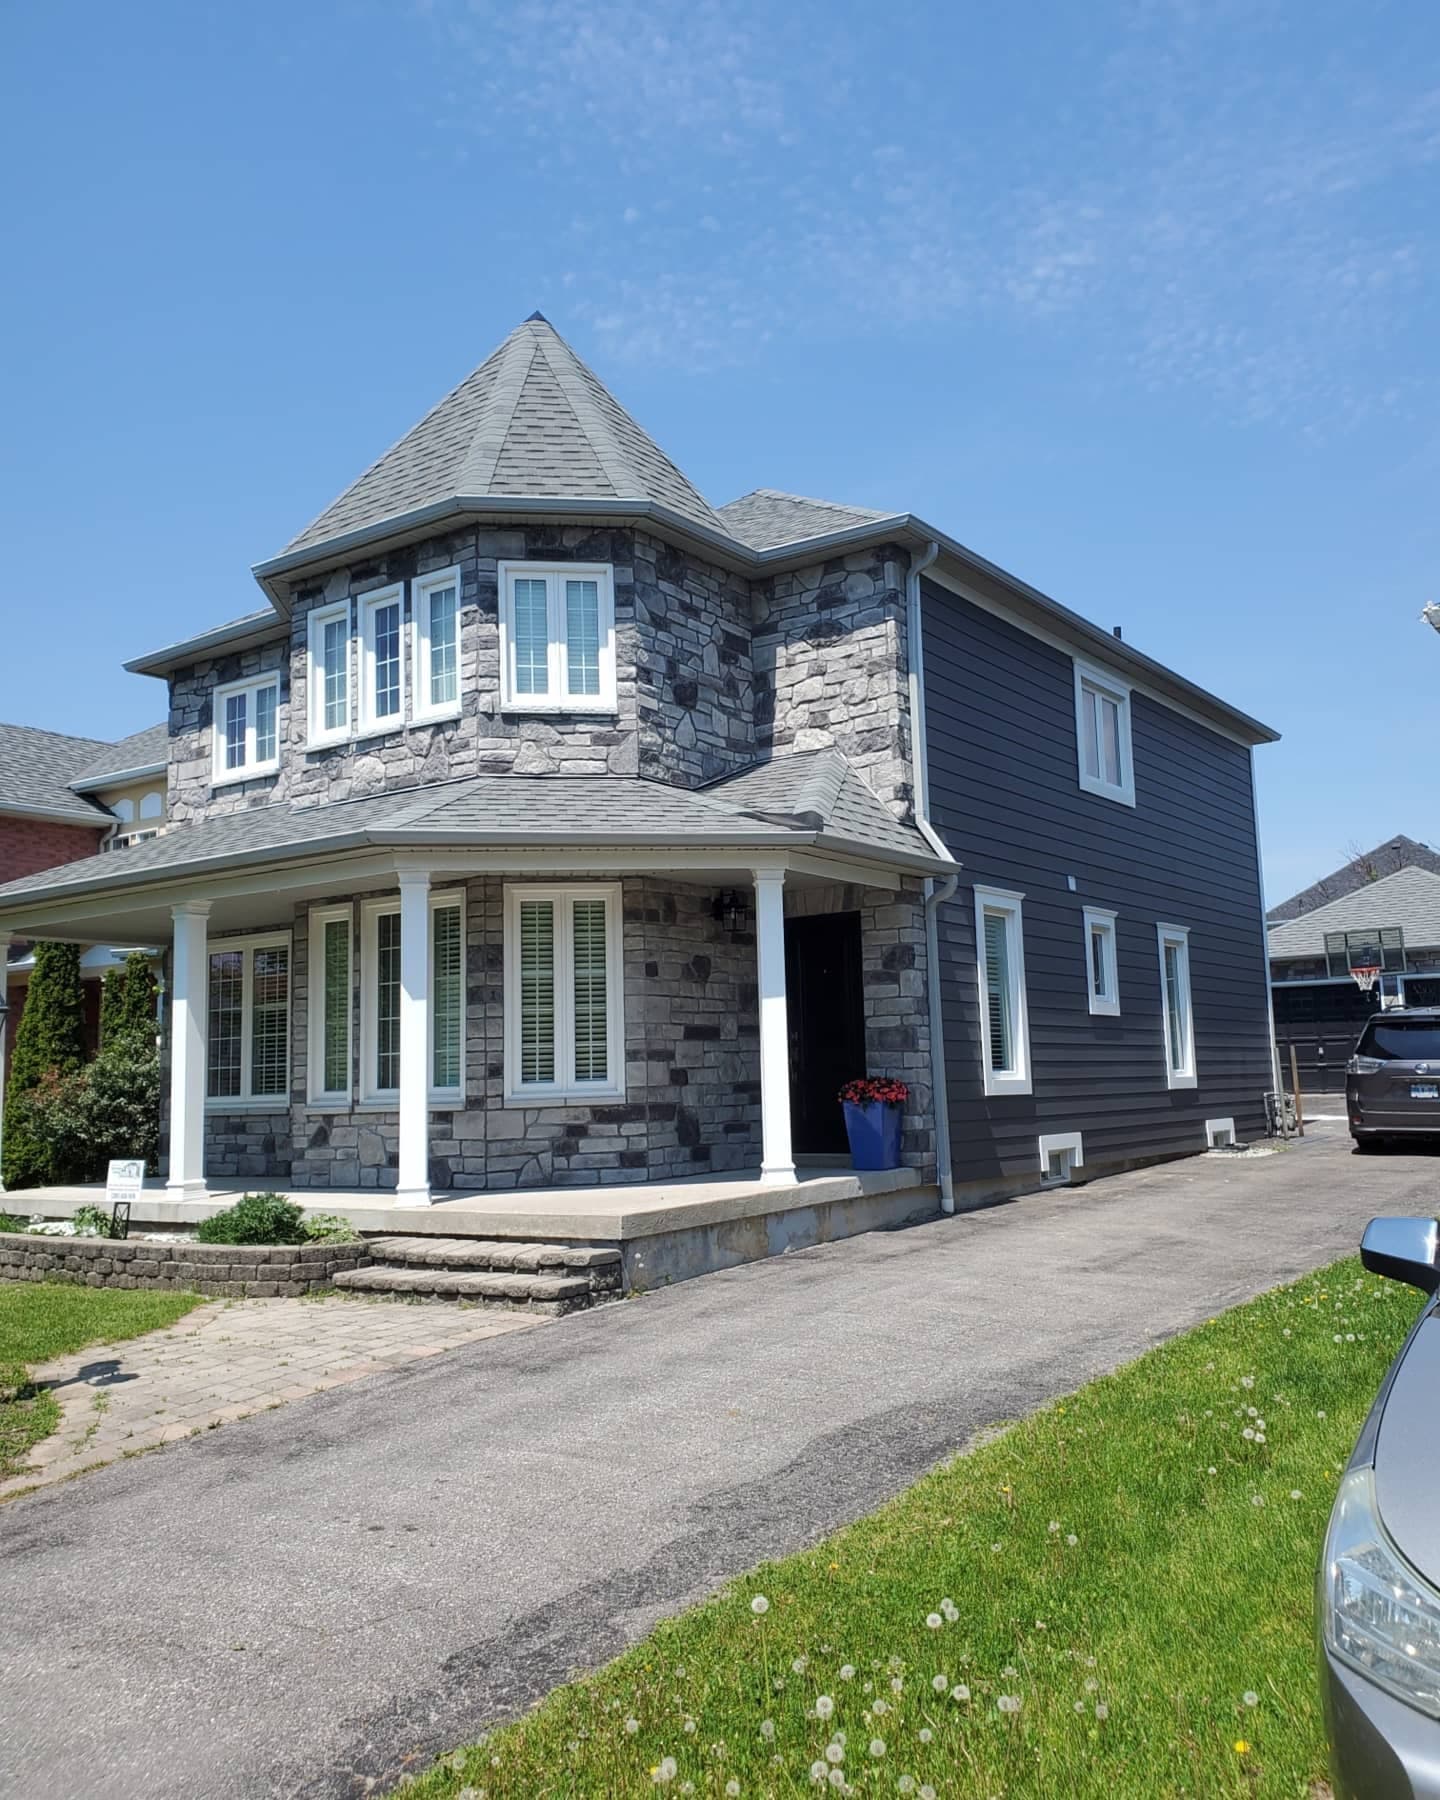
826	1009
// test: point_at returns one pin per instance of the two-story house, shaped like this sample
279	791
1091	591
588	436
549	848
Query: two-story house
548	826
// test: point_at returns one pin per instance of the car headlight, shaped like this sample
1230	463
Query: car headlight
1378	1615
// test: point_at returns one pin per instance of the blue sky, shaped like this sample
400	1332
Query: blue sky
1138	299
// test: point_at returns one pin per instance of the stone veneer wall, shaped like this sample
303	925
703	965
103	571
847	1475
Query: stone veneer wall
831	668
684	693
257	1270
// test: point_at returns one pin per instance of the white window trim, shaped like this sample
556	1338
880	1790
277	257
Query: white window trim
1218	1131
421	709
318	1095
318	736
245	1101
1184	1077
370	721
249	770
1051	1141
1102	919
565	1087
1008	902
1091	675
443	1099
556	700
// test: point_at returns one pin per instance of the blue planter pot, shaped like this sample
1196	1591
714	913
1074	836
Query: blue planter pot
874	1133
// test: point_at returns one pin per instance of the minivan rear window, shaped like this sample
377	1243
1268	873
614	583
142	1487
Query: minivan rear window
1402	1040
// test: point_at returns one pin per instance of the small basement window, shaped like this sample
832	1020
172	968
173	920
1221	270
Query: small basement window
1061	1154
1219	1134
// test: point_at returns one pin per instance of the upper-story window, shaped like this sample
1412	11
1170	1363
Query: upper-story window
328	673
1102	729
557	637
382	664
247	729
437	645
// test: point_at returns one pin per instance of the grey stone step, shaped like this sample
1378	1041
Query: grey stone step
491	1253
537	1293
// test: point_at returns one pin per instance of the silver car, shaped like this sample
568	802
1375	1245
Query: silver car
1379	1583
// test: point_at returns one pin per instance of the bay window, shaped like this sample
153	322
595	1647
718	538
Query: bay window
248	1020
437	645
557	638
246	729
564	1015
381	995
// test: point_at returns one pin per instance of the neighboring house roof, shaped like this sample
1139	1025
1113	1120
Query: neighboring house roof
36	768
143	753
834	810
1361	871
531	421
1410	898
766	518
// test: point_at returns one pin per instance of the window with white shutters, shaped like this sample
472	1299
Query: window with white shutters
557	638
248	1021
1000	982
564	1031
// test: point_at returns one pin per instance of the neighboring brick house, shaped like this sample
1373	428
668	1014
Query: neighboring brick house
63	799
549	826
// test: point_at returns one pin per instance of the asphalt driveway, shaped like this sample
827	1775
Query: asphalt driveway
311	1601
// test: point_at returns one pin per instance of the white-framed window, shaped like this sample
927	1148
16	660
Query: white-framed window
248	1021
382	659
1061	1154
245	730
1102	730
328	673
557	637
152	805
1177	1015
564	1000
380	999
1102	968
332	1004
437	645
1000	976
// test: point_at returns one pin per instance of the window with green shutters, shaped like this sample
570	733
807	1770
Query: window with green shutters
564	1029
1004	1027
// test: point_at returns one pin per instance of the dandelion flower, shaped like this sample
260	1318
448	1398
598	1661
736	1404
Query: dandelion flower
665	1771
819	1770
877	1747
835	1751
800	1665
950	1610
759	1605
934	1621
1250	1697
1295	1494
1211	1469
1079	1706
1091	1684
1009	1671
939	1683
1071	1539
632	1726
959	1692
1241	1747
879	1708
927	1792
824	1707
1257	1499
906	1784
1008	1703
925	1734
847	1671
1054	1525
690	1727
732	1787
995	1548
1102	1711
767	1730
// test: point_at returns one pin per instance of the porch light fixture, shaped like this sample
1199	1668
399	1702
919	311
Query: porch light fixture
732	910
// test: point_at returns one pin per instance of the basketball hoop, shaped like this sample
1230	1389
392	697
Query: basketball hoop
1365	977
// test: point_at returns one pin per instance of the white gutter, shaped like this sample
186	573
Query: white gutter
936	892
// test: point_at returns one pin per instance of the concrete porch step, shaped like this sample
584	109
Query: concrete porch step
548	1278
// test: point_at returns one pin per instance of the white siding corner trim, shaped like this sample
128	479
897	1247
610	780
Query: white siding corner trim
1004	1016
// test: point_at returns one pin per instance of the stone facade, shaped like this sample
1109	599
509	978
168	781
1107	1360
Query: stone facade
230	1270
713	672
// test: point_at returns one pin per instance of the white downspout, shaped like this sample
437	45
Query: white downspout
936	892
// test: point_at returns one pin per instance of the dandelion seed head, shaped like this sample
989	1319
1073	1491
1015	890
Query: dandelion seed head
759	1605
1102	1711
847	1671
939	1683
1008	1703
825	1707
934	1621
925	1734
767	1730
959	1692
877	1747
1250	1697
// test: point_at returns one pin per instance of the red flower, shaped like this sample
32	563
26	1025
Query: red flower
865	1090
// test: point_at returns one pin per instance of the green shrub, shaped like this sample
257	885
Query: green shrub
255	1219
329	1228
13	1222
49	1051
91	1221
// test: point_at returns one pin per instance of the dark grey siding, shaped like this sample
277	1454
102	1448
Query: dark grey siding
1005	795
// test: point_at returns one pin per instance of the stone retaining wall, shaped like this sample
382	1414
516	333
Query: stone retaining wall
259	1271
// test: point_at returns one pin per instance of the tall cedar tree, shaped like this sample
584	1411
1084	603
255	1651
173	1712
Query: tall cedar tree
51	1035
127	1002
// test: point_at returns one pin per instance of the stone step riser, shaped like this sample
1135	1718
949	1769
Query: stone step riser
538	1293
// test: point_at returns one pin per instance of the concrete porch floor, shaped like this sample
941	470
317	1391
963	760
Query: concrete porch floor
667	1229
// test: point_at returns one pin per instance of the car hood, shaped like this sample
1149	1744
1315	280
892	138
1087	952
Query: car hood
1407	1452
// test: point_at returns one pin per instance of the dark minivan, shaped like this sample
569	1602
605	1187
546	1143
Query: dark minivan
1392	1082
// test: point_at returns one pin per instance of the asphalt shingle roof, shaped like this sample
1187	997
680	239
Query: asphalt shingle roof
36	768
1410	898
532	421
820	798
1399	852
768	518
141	751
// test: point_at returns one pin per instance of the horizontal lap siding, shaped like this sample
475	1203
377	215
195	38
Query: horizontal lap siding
1005	795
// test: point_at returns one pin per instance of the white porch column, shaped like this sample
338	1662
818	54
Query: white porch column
777	1163
413	1188
4	1035
188	990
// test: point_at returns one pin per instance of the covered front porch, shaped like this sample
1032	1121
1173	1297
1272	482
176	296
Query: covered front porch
581	1042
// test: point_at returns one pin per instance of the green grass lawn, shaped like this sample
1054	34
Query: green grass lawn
42	1319
1111	1599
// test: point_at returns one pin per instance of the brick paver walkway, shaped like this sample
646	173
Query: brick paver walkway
228	1359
